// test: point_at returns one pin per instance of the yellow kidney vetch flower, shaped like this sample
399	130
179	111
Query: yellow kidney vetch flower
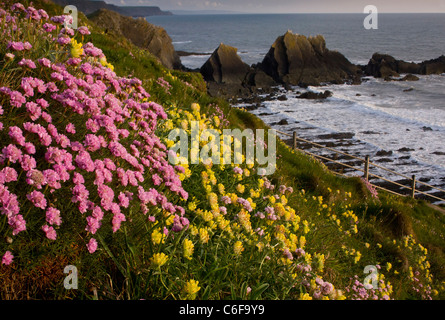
238	248
157	236
188	248
240	188
191	288
192	205
76	49
302	242
159	259
305	296
221	189
203	235
213	200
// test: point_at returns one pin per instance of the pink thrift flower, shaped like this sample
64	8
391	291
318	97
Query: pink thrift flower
37	198
49	232
53	216
16	135
44	62
83	161
83	31
62	40
27	63
7	258
17	99
17	46
70	128
92	245
8	174
27	162
48	27
29	148
34	110
11	153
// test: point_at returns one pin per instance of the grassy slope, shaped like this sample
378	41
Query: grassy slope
381	221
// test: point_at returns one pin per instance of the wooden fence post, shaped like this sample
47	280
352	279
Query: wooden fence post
294	140
413	187
366	174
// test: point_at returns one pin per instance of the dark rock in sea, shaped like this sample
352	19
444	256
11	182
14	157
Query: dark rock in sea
384	160
387	67
141	33
225	66
424	128
282	98
408	90
405	149
336	136
409	77
433	66
225	72
382	153
282	122
369	132
439	153
299	60
315	95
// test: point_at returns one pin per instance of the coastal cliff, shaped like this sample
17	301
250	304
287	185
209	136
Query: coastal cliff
88	7
141	33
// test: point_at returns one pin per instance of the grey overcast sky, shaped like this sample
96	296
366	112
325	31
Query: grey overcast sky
292	6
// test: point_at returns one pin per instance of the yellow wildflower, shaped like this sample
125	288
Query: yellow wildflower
188	248
159	259
76	49
191	288
240	188
305	296
157	237
238	247
203	235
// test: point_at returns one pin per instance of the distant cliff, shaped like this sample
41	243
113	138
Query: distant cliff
143	34
88	7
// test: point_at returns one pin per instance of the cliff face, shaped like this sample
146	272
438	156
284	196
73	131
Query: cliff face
88	7
143	34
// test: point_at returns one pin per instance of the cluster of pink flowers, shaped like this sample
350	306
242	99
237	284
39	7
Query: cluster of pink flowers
102	159
164	84
360	291
371	188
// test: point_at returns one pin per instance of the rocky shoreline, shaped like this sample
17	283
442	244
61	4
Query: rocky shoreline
297	60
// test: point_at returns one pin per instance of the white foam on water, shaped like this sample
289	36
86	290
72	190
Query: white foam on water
381	116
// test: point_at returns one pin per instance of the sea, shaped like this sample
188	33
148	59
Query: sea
399	124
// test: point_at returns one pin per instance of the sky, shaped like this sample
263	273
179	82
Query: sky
292	6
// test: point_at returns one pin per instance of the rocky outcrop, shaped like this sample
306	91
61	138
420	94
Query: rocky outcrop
225	72
386	66
141	33
299	60
88	7
225	66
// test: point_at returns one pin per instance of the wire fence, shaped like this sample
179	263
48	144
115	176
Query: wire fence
414	184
